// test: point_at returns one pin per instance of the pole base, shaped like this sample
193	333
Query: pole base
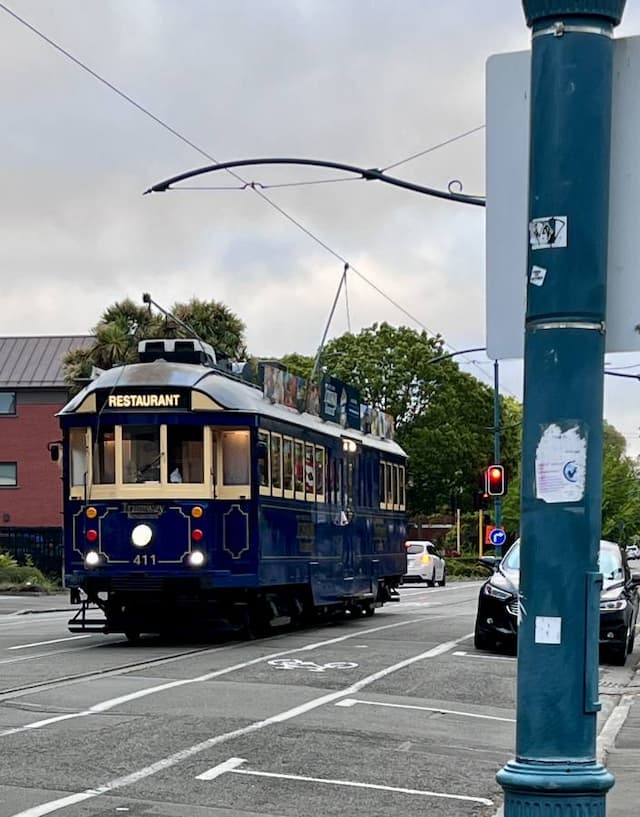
554	788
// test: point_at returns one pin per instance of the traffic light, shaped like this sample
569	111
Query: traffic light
494	480
480	501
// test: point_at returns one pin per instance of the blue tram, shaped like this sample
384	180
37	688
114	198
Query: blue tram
190	498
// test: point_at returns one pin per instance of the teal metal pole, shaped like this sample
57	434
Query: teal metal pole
555	770
497	506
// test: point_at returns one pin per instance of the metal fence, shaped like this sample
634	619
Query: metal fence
42	545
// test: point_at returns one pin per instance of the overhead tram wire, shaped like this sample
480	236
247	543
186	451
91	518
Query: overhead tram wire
433	147
211	158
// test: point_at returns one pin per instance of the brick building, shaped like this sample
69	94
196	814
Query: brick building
32	390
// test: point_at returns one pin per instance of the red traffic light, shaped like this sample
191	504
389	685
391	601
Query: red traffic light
494	480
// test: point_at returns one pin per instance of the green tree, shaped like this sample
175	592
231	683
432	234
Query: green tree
620	489
124	323
444	417
391	367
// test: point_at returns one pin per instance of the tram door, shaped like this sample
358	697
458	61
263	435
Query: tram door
349	540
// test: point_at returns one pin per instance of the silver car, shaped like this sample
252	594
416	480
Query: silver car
424	563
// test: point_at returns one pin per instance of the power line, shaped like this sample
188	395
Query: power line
434	147
244	182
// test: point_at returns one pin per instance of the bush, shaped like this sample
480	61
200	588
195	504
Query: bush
22	577
466	567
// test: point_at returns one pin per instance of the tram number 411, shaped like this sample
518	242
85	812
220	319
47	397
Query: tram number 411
144	559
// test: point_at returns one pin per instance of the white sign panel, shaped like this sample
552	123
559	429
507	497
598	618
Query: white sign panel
508	233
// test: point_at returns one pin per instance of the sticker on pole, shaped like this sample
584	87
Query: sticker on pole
549	232
561	459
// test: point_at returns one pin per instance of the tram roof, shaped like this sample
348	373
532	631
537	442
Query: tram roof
228	392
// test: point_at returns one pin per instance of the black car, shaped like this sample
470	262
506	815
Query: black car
498	603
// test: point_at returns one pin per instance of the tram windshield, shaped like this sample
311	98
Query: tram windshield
144	460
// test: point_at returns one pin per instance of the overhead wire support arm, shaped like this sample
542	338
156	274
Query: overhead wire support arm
369	174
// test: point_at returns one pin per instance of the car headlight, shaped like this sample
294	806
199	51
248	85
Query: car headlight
618	604
496	592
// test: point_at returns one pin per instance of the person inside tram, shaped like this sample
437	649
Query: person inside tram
175	475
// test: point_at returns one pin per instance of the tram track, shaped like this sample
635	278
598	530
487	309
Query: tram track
18	691
26	689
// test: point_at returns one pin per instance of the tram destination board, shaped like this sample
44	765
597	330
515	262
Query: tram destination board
165	399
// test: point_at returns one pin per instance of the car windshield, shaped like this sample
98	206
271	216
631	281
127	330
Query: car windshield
609	561
415	548
512	560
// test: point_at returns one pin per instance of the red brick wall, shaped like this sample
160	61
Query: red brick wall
37	501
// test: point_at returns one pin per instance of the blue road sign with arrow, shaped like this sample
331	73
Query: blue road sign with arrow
498	537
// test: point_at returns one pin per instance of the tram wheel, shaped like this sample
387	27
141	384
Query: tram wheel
132	636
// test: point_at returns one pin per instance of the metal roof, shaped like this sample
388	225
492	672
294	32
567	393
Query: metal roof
36	362
228	392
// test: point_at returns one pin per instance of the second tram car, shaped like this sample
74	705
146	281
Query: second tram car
192	500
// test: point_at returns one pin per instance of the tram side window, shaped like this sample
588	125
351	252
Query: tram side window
309	472
235	457
287	465
382	484
403	500
263	459
276	462
141	453
389	484
78	454
298	449
320	473
185	451
104	456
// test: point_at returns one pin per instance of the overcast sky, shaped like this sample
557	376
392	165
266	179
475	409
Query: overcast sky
368	82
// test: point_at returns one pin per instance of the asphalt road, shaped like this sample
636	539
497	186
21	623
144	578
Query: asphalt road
395	714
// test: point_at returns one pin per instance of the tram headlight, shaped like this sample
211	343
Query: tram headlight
196	558
92	558
141	535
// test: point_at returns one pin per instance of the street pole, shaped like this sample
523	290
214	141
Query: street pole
497	508
555	770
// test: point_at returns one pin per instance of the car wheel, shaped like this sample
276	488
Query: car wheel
443	580
482	641
618	654
432	581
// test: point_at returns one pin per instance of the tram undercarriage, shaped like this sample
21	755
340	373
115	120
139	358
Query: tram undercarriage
178	611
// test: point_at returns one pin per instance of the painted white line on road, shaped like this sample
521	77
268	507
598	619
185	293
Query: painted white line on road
52	641
237	761
464	586
354	701
111	703
45	655
288	714
485	656
221	768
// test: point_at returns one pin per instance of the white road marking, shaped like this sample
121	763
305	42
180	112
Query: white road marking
52	641
448	589
288	714
354	701
237	761
221	768
45	655
485	656
105	706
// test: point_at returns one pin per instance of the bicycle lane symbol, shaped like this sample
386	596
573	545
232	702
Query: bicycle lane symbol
310	666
